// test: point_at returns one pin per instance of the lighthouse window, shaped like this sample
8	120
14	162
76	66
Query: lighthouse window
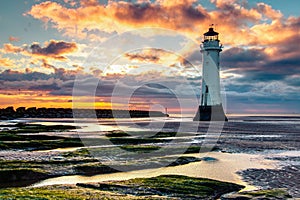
215	37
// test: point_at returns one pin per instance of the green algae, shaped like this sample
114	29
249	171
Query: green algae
17	140
161	187
61	192
171	186
276	193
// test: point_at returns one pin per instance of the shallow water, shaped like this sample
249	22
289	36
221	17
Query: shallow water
223	169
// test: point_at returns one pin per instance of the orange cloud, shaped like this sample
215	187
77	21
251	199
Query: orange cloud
6	62
118	16
157	56
268	11
9	48
145	56
97	21
13	39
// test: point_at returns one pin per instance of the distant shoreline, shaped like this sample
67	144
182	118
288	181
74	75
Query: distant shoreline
33	112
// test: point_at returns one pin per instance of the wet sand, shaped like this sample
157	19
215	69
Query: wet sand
223	168
247	148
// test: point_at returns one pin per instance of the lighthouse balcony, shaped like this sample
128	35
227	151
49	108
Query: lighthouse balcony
211	45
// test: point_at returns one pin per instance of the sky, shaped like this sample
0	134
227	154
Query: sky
144	54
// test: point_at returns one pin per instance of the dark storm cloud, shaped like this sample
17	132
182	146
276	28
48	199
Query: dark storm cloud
141	12
166	14
142	57
91	86
241	88
47	87
11	75
250	76
155	85
54	49
64	83
83	85
137	12
196	78
269	71
194	58
293	81
255	64
295	22
285	66
12	80
158	91
238	55
191	12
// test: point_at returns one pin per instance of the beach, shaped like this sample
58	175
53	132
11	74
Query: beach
258	153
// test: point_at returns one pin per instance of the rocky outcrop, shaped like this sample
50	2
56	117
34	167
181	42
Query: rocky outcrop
20	177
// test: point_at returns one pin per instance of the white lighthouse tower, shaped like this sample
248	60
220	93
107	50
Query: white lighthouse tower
210	108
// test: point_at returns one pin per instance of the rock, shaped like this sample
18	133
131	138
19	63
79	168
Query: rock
274	194
235	197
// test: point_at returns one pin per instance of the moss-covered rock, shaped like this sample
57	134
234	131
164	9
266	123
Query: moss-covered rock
59	192
21	177
15	138
273	194
170	186
93	169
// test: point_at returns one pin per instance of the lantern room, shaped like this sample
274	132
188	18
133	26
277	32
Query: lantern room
211	35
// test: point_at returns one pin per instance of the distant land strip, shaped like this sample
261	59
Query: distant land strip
33	112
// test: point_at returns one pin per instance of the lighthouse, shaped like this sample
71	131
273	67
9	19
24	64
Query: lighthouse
210	108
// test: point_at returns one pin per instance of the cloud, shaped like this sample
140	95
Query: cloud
6	62
293	80
179	61
239	22
13	39
261	65
145	56
54	49
49	85
89	3
9	48
13	75
32	80
61	83
194	57
269	12
118	16
62	73
237	57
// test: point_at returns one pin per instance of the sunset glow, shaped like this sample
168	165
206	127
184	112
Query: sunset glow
143	47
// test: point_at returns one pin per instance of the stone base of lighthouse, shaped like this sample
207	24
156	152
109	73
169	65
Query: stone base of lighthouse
210	113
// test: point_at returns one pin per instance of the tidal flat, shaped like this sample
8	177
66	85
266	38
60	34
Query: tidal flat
23	163
36	156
